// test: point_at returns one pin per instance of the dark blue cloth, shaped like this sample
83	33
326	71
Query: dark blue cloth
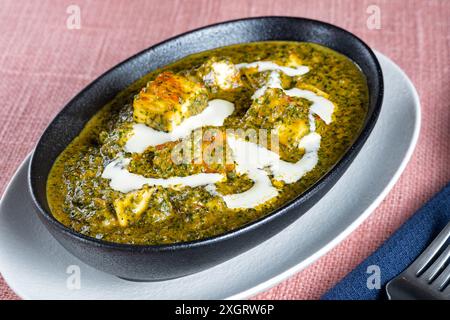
398	252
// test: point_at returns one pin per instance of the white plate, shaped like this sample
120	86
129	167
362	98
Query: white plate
35	265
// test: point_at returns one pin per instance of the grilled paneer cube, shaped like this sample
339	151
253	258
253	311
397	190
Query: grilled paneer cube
169	99
220	74
275	110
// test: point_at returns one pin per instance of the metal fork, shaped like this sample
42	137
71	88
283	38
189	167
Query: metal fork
428	277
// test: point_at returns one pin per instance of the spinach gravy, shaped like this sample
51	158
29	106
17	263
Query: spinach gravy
209	143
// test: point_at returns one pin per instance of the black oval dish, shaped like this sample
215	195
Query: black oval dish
146	263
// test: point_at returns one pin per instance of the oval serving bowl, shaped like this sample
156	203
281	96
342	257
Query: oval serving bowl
158	262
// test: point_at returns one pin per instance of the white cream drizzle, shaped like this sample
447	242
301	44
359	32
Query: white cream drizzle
274	81
321	106
213	115
272	66
124	181
250	158
256	161
261	191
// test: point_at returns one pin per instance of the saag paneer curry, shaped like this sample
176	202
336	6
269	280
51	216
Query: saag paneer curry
209	143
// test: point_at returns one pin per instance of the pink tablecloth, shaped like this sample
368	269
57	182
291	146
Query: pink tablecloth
43	64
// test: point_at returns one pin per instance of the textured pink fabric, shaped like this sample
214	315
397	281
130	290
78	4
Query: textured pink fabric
43	64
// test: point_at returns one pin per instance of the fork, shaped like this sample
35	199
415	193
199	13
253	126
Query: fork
428	277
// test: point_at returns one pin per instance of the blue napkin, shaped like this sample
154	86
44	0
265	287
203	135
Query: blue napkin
396	254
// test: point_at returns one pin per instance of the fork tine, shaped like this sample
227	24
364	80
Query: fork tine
446	291
437	266
424	259
442	281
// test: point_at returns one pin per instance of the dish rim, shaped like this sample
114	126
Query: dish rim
286	207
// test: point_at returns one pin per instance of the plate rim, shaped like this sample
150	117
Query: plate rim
11	182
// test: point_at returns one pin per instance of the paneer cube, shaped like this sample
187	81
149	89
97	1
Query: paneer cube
131	206
293	60
169	99
291	132
275	110
220	74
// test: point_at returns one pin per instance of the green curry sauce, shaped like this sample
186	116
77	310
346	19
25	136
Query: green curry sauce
80	198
